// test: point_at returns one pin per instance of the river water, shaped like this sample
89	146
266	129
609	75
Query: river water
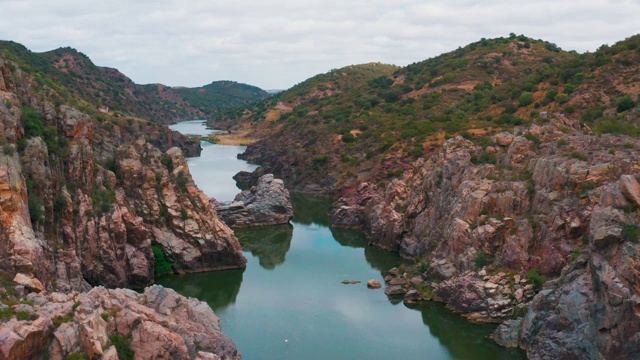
290	303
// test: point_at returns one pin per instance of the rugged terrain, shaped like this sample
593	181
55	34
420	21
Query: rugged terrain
508	169
110	324
90	199
370	122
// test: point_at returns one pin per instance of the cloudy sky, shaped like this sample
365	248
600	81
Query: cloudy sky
275	44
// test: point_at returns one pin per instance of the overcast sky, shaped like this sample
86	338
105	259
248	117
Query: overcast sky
275	44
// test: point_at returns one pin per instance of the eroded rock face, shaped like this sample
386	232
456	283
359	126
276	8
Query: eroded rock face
529	201
174	213
267	203
82	200
590	311
158	323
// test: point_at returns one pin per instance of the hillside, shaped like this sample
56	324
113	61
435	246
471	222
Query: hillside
371	130
78	78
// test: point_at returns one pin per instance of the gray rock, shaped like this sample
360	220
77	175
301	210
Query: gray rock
395	290
267	203
507	334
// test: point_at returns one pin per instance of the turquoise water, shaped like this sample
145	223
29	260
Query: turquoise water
213	170
290	303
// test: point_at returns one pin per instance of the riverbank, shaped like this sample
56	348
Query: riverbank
230	138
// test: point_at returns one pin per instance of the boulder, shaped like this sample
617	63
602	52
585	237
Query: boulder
395	290
29	282
630	188
267	203
374	284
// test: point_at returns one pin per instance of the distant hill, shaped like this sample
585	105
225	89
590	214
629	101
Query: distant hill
347	121
218	96
72	75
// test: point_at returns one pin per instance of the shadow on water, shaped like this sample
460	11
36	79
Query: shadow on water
378	258
450	328
226	282
268	243
309	210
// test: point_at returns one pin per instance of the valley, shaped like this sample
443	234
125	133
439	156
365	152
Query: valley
498	181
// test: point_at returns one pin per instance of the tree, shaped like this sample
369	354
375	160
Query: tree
526	99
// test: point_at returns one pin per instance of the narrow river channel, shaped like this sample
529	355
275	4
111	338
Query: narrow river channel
290	303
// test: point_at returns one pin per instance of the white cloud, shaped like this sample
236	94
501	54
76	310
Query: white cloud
277	43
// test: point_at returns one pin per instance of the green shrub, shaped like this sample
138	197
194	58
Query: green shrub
122	347
167	162
630	233
348	138
526	99
181	181
77	356
561	98
480	260
8	149
578	155
321	159
535	278
625	103
161	264
575	254
36	207
32	122
23	315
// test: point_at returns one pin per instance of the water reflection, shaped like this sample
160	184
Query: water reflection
449	328
269	243
225	282
310	210
378	258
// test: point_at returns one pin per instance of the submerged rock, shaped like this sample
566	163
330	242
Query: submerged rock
267	203
374	284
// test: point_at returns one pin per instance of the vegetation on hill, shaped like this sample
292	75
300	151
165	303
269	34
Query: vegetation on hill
476	90
72	75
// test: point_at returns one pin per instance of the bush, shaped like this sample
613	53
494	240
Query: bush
630	233
535	278
625	103
77	356
36	208
526	99
161	264
167	162
181	181
348	138
32	122
480	260
8	149
122	347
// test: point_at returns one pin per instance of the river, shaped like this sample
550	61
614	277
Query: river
290	303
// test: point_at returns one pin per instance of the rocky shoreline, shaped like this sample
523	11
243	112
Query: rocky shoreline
549	201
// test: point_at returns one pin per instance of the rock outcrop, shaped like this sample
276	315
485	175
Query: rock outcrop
267	203
83	199
158	323
537	199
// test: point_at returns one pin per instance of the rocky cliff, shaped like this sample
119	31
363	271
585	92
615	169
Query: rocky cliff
84	199
549	200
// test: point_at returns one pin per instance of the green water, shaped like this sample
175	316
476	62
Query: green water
290	303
